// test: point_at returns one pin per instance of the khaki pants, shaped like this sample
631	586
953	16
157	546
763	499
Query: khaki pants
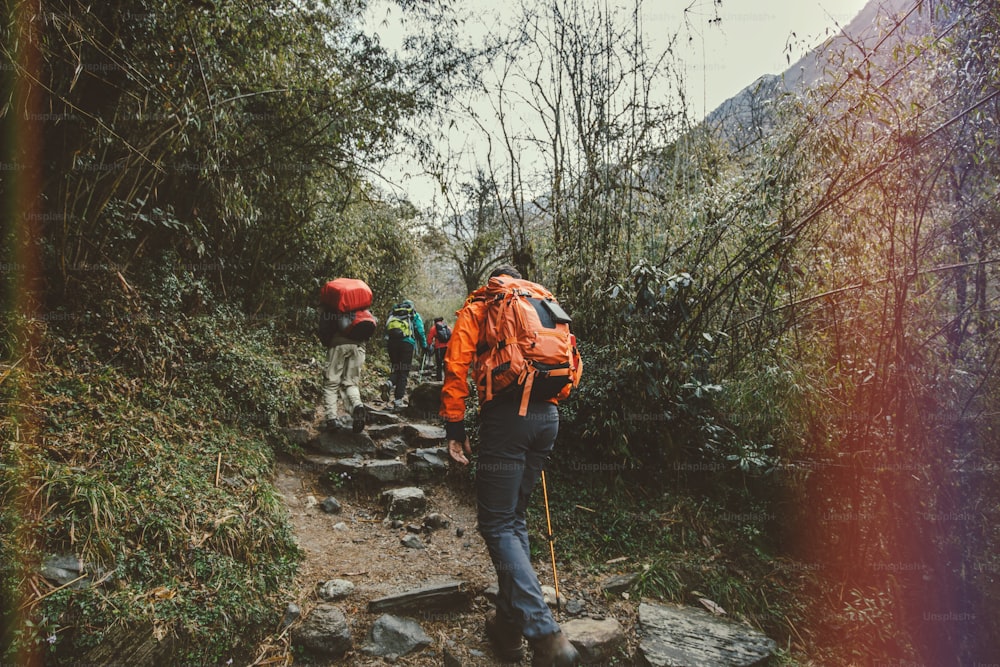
343	371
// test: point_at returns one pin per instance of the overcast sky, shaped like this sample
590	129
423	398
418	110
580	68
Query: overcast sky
749	41
720	58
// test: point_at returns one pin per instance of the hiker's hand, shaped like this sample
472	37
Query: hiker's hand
460	451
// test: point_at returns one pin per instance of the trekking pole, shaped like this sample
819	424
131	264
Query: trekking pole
552	543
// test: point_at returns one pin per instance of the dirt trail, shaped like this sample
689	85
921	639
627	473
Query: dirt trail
358	545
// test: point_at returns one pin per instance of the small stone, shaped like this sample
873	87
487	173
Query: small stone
340	525
459	532
292	614
311	502
620	583
574	607
331	505
549	595
396	523
412	542
413	528
335	589
435	520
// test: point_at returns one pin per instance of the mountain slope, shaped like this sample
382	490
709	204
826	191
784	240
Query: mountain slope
747	116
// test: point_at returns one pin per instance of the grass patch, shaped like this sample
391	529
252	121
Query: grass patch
683	548
160	484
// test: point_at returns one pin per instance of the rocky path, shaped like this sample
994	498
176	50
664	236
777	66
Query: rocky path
395	572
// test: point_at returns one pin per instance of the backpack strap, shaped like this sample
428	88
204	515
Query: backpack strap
526	394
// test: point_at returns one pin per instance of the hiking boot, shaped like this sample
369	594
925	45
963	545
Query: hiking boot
335	424
398	404
359	416
504	638
553	650
386	391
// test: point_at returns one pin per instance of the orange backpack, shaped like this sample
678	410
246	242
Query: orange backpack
525	343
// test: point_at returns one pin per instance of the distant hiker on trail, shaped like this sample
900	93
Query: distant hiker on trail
404	333
437	340
345	323
520	378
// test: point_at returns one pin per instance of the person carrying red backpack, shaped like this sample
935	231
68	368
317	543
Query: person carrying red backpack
345	323
515	337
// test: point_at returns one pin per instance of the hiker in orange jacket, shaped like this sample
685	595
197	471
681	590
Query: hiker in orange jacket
513	449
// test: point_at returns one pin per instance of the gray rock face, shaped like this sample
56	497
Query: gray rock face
324	633
342	443
671	636
597	641
395	636
405	501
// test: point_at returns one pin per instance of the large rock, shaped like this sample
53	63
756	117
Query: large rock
404	502
342	443
395	636
597	641
672	636
325	632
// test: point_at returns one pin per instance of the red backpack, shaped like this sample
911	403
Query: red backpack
525	343
345	295
346	302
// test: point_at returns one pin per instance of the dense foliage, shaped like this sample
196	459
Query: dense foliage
181	179
807	321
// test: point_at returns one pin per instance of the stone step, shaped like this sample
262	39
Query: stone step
366	472
342	443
